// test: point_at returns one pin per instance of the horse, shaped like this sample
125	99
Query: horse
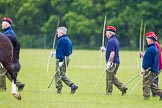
7	60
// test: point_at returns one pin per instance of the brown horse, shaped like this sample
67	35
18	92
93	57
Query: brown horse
7	58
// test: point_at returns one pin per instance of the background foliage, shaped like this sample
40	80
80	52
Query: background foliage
35	20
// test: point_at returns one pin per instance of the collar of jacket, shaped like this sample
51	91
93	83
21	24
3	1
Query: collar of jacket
153	44
62	36
8	28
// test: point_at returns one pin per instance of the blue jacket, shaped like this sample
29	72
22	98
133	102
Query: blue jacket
150	59
9	31
113	45
64	48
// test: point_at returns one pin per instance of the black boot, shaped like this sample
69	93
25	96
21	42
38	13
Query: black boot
58	91
124	91
73	88
20	88
160	97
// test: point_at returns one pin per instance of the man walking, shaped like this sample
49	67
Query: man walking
112	61
63	51
8	31
150	67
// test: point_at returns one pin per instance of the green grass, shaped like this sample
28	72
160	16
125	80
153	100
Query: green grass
84	70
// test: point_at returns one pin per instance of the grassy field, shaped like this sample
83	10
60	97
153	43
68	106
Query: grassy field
84	70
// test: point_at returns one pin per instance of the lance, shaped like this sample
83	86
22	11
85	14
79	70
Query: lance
130	80
103	35
143	42
156	76
141	49
144	32
141	46
141	80
140	40
54	39
100	77
137	83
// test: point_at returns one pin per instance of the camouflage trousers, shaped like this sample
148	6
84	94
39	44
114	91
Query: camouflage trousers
112	79
3	75
148	84
60	74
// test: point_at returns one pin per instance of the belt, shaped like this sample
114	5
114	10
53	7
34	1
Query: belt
65	56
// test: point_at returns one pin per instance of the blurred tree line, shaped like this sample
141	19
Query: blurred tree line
35	21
